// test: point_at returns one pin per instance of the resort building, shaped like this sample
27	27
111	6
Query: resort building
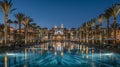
117	36
60	33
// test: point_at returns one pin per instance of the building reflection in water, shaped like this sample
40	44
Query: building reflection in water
58	50
6	61
25	65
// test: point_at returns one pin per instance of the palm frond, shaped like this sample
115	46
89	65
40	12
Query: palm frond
12	10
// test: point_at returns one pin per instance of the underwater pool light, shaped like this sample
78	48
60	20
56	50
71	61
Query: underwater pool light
10	54
108	54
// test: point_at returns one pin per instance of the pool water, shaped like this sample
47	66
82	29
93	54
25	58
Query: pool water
74	57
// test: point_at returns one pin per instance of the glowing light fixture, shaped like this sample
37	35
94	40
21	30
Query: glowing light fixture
10	54
108	54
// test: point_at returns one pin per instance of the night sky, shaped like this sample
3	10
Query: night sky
71	13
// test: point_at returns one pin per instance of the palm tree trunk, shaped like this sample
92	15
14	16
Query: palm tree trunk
114	30
15	30
9	32
87	37
26	35
93	37
15	26
107	31
5	29
100	34
19	29
81	37
96	36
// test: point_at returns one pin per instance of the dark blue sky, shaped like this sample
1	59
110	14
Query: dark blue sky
71	13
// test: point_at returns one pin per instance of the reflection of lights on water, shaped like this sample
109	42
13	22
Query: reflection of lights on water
93	64
82	56
82	51
46	48
108	54
10	54
39	52
71	47
80	46
69	50
5	60
55	53
25	66
92	51
86	50
15	54
61	53
87	56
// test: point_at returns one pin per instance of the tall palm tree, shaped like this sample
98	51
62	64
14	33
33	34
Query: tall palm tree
114	10
84	32
15	30
19	17
81	34
101	19
9	27
15	24
97	32
26	21
38	34
1	32
6	7
34	26
112	26
88	28
93	30
107	17
1	27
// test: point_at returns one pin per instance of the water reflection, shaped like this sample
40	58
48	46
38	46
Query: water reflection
58	53
6	61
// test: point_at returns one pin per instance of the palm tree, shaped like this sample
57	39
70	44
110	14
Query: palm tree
6	7
101	19
33	26
114	10
15	30
26	21
1	31
88	31
81	34
112	26
15	24
93	33
9	27
19	17
39	29
97	27
107	17
84	32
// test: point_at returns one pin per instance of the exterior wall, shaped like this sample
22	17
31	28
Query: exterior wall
117	36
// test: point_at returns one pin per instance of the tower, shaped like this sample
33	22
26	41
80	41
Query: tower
55	26
62	26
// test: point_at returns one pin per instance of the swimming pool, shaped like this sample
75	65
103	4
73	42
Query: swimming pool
80	56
